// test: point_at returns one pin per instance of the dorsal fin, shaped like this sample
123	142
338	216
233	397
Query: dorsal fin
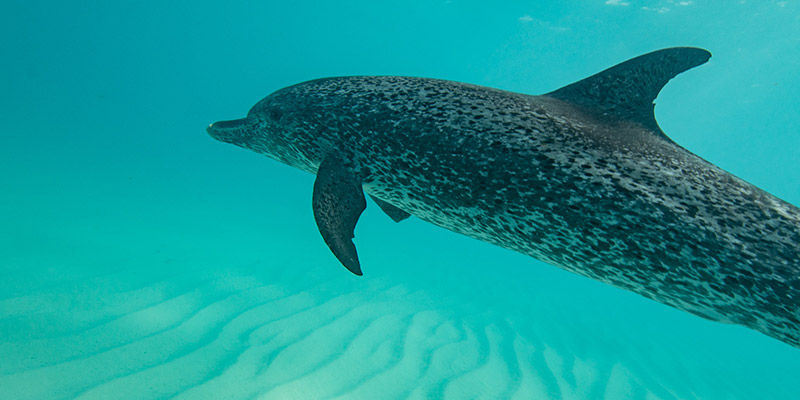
626	91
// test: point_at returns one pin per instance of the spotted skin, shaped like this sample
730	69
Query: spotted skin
612	199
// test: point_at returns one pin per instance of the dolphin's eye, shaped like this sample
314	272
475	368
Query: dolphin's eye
275	114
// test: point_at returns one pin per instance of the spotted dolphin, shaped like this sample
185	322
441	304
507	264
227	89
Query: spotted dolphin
582	178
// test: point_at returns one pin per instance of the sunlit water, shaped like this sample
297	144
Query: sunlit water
139	258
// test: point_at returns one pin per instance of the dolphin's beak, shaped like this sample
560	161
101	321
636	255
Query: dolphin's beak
234	131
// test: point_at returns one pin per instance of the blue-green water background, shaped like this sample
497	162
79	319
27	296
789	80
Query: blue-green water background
113	199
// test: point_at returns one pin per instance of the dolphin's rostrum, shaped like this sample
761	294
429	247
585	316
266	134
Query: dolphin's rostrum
582	178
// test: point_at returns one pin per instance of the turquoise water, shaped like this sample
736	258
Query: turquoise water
142	259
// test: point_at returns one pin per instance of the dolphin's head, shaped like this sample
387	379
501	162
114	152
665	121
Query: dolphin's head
240	132
254	132
276	127
296	125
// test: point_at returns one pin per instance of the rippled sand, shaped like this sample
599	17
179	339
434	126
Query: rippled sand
117	308
177	322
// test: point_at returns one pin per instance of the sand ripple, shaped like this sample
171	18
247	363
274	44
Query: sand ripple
237	335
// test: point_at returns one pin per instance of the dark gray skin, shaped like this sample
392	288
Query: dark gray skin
582	178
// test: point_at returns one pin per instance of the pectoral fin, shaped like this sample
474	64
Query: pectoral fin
338	202
393	212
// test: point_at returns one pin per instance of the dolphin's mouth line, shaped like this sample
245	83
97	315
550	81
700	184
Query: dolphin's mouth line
236	123
230	131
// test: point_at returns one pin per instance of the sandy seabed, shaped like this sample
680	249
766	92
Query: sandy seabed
91	316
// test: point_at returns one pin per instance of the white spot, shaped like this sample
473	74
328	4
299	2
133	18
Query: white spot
617	3
661	10
525	18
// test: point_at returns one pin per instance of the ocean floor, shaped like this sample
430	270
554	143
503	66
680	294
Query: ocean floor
94	311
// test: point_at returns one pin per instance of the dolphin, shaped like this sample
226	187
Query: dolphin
581	178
